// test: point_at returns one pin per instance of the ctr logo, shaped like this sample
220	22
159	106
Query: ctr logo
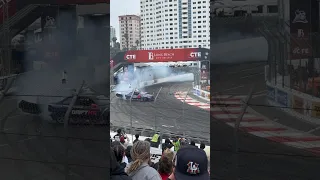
195	54
131	56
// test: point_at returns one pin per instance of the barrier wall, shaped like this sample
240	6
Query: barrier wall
295	103
205	95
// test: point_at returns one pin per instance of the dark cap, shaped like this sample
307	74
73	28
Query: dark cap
191	164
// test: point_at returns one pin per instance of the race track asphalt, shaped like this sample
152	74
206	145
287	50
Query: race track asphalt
258	158
27	154
166	114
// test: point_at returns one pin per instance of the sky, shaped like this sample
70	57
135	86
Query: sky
122	7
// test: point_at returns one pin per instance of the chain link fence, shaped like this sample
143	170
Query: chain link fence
63	135
169	114
54	120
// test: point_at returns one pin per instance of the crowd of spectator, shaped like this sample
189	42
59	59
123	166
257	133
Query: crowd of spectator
180	160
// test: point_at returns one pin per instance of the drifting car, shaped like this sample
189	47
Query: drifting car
88	109
142	96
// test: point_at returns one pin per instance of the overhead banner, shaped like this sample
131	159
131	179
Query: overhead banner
163	55
298	104
300	28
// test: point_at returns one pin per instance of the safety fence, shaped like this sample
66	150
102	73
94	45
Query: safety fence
65	134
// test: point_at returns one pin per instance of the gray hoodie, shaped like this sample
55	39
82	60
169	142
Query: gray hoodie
145	172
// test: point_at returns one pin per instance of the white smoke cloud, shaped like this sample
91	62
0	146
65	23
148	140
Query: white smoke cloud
149	74
48	81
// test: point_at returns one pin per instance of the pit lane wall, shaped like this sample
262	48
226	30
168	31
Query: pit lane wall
295	103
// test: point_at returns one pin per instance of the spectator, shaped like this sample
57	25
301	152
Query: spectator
120	154
118	135
115	143
137	138
192	143
155	141
117	172
123	141
165	164
128	153
202	146
139	168
190	164
167	144
176	143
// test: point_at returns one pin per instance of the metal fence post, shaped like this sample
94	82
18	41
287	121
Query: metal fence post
236	131
155	112
183	103
131	123
66	132
6	89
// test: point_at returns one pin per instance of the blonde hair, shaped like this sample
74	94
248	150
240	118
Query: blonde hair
140	152
168	153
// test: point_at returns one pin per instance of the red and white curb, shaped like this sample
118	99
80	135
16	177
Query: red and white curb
254	123
188	100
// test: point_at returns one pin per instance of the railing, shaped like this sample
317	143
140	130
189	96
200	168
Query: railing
19	15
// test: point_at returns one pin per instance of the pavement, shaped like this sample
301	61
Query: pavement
268	148
166	114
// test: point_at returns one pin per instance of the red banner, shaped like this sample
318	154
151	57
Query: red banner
163	55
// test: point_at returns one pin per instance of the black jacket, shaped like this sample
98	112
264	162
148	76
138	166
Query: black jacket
119	174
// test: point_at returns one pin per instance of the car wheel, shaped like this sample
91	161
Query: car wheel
145	99
60	119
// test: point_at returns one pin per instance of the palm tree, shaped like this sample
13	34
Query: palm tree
114	40
137	43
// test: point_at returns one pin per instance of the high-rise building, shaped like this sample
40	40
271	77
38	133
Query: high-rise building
129	31
175	24
112	35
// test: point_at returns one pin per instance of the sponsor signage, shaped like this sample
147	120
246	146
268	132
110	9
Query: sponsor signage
204	74
298	104
271	93
300	28
198	92
163	55
307	107
315	109
282	98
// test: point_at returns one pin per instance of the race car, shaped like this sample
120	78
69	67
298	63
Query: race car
88	109
142	96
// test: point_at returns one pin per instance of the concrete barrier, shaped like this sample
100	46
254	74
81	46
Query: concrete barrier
295	103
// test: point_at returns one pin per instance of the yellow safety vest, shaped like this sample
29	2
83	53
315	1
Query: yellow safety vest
155	138
176	145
